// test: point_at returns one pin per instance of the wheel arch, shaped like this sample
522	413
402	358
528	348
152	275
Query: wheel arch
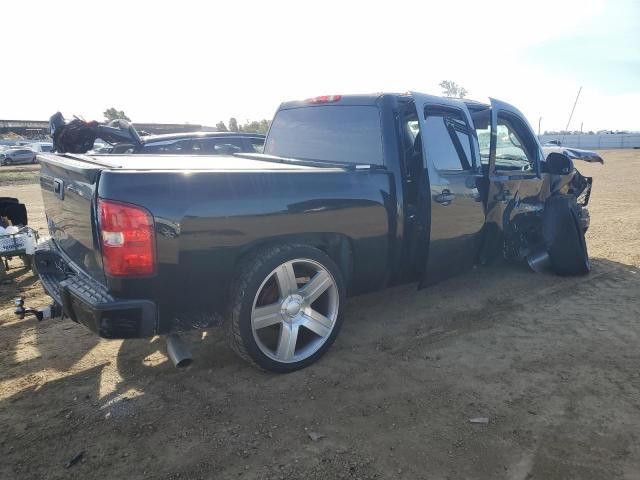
337	246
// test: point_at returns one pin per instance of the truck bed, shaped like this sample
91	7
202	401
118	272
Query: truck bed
209	211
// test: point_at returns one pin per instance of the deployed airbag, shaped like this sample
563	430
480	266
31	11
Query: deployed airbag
564	237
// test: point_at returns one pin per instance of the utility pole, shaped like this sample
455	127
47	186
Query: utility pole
539	123
566	129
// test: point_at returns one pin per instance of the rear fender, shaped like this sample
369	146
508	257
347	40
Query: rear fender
338	247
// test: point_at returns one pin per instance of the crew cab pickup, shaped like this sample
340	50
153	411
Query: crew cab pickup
352	194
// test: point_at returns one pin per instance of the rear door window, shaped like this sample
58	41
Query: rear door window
447	139
345	134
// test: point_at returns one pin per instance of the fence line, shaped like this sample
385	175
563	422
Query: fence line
614	140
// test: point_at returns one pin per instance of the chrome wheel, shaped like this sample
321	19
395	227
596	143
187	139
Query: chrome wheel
295	310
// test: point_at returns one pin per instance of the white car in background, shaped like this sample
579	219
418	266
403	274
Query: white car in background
17	155
41	147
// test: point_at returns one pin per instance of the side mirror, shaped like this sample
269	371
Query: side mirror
558	164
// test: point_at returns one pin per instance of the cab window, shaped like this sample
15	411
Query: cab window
332	133
515	147
447	139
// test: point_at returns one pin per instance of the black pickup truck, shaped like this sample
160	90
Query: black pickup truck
352	194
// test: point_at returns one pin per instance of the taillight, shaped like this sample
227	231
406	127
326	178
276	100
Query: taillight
324	99
127	238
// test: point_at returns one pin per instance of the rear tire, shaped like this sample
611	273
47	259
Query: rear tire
564	237
273	321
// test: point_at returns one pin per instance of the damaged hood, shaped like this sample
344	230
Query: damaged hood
574	153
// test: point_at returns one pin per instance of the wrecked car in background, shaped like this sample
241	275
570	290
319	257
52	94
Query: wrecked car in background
353	193
123	138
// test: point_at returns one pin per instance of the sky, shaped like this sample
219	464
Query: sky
202	62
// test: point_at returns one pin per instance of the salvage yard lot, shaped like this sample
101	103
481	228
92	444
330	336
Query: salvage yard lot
18	175
552	362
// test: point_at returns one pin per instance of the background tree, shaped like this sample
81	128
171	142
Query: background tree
233	124
264	126
113	114
221	127
254	126
452	89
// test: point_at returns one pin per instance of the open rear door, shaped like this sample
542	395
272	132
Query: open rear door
453	212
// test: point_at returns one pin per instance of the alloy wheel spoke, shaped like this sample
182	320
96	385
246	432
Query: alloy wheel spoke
287	341
286	279
320	282
266	316
316	322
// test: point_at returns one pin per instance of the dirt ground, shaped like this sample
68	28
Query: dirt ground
553	363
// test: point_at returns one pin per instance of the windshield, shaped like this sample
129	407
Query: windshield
344	134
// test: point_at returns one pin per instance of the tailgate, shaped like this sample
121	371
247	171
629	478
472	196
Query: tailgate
68	184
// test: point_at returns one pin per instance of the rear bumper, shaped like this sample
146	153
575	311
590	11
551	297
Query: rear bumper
87	301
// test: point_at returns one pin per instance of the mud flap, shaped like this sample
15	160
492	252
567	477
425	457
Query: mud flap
564	237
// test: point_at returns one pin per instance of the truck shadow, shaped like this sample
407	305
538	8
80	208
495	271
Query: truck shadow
27	346
17	270
378	321
382	319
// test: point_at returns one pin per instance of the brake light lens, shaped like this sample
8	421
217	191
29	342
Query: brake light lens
324	99
127	238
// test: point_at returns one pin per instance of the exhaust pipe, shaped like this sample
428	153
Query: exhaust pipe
539	261
178	351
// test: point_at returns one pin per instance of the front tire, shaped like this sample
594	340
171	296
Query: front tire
285	307
7	162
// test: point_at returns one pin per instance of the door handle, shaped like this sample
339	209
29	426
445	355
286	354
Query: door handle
446	197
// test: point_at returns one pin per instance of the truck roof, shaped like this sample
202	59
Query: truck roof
367	99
